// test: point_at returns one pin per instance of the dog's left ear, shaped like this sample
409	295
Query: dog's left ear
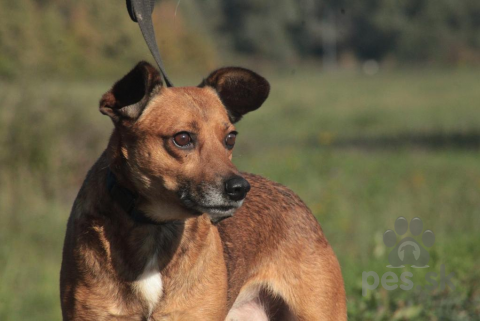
127	99
239	89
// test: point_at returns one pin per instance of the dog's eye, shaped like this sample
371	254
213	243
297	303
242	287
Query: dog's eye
230	140
182	139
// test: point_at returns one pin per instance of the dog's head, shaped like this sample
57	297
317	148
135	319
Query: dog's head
174	145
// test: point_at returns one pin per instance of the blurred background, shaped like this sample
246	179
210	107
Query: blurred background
373	115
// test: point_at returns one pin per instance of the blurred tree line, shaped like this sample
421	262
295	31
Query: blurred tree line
71	37
446	31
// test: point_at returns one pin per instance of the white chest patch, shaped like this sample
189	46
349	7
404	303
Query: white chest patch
149	284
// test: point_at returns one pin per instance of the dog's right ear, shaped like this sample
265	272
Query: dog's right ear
127	99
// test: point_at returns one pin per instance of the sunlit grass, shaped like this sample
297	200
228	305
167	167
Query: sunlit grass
359	150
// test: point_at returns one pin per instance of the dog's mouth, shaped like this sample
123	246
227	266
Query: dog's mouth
216	212
219	213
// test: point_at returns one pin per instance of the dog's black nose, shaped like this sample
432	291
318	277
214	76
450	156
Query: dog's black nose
237	188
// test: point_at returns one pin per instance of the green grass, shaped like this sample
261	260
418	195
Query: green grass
359	150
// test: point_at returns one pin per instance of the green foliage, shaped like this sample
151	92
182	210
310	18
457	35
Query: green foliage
360	151
442	31
88	37
73	38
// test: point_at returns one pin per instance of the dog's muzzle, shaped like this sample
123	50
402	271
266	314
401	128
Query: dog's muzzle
218	203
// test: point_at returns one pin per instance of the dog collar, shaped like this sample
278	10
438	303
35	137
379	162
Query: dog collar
127	200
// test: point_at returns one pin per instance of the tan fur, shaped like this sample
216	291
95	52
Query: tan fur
271	251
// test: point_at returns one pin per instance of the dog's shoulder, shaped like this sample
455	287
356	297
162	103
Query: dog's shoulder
272	224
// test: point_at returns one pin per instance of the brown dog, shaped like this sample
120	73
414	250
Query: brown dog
144	240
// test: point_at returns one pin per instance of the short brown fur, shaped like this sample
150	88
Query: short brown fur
270	255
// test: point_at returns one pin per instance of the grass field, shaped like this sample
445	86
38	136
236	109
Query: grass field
361	151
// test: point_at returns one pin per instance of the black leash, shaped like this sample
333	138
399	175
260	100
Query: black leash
140	11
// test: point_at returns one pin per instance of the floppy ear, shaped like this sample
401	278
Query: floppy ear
239	89
127	99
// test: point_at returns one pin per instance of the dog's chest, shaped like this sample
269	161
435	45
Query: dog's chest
148	285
